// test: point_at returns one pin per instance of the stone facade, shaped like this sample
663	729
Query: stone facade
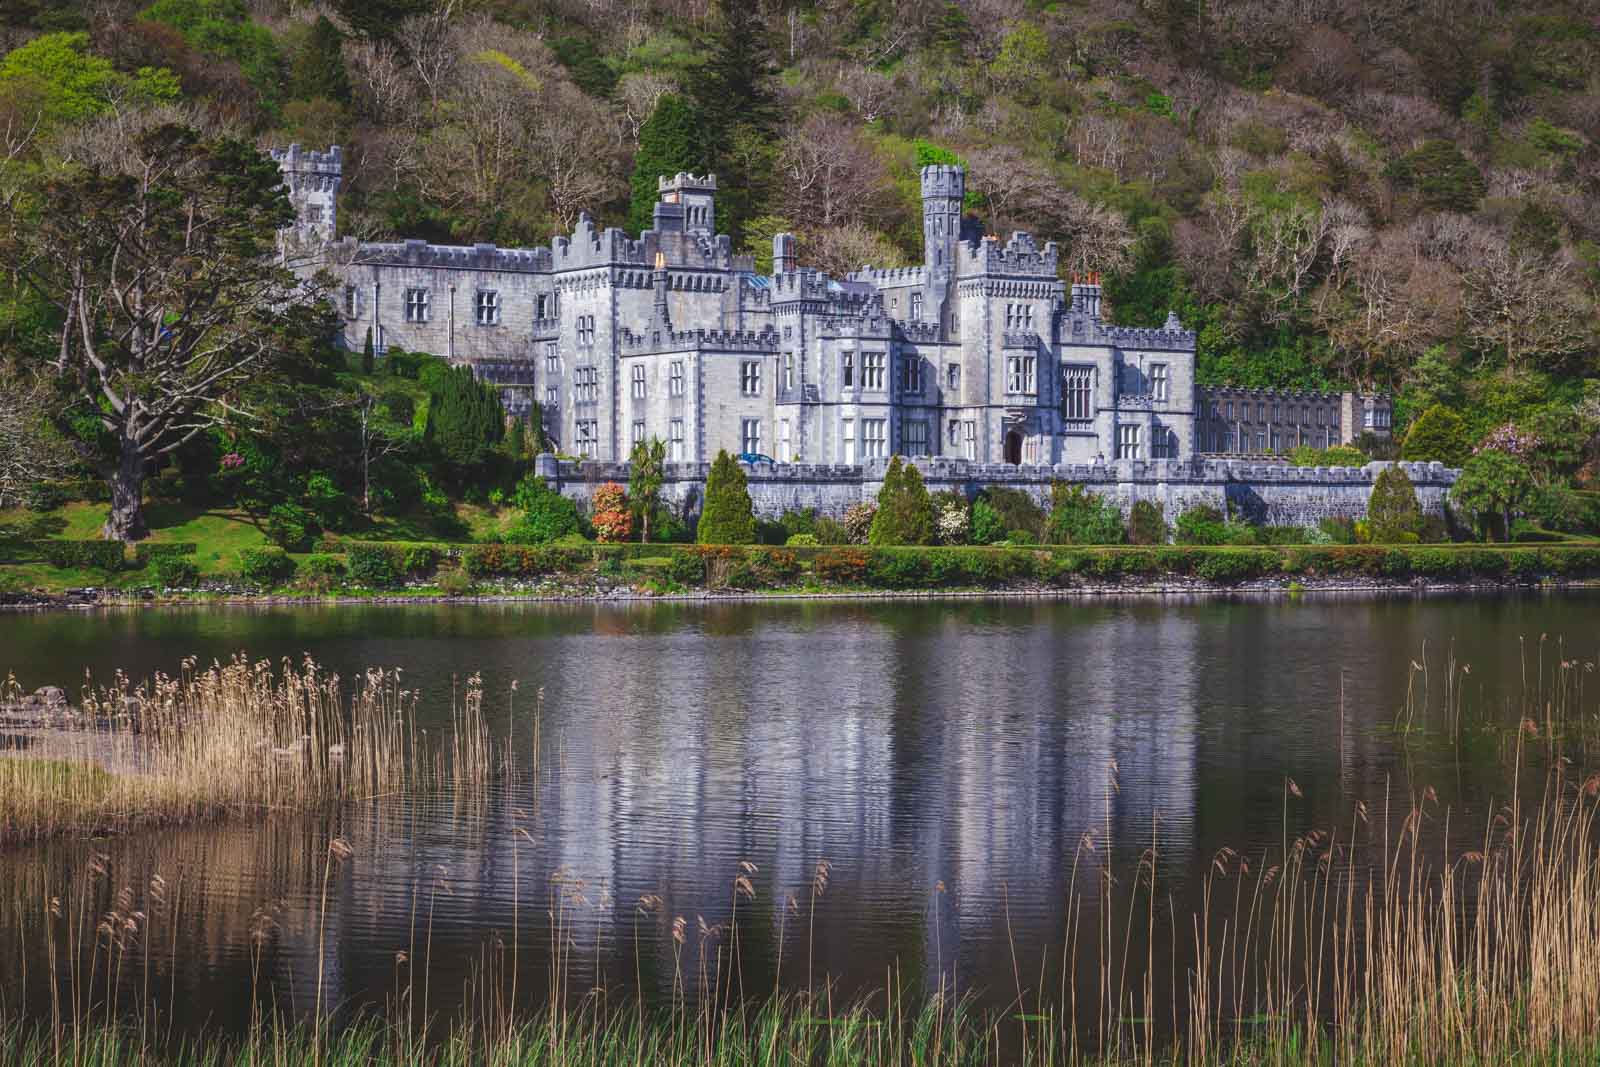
1274	494
982	353
1236	421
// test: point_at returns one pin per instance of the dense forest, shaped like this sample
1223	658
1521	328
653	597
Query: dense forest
1392	194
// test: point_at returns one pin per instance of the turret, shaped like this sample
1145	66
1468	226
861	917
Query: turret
943	189
784	259
696	195
1086	295
313	180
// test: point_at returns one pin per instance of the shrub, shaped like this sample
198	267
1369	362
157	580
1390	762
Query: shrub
727	518
1393	514
802	540
88	555
987	526
1016	509
905	512
1080	517
613	521
176	572
1338	530
1230	567
1200	525
840	566
890	568
148	552
265	566
831	531
858	522
290	526
376	566
1439	435
798	522
1147	524
321	572
688	567
952	524
546	514
1493	484
771	532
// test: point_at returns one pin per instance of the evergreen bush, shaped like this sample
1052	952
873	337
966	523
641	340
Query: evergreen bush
727	517
1200	525
905	512
546	514
265	566
1147	524
1393	514
1080	517
1438	436
176	572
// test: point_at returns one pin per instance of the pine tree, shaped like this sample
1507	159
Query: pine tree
319	69
516	440
728	517
1393	514
737	109
905	511
669	142
464	422
367	355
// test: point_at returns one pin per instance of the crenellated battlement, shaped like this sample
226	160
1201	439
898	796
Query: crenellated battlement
652	341
1020	255
889	277
416	253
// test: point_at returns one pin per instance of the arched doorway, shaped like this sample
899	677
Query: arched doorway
1014	447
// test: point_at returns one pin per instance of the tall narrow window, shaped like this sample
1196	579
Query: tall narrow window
552	361
916	307
1128	442
1159	383
1020	374
969	446
911	374
785	447
872	364
952	377
914	437
847	370
750	435
750	379
417	305
352	302
638	431
675	431
488	307
675	378
847	440
636	385
788	370
1077	394
874	438
954	434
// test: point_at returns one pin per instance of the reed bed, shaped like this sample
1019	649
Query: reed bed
1365	943
232	739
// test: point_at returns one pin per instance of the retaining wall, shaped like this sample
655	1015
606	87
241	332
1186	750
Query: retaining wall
1272	494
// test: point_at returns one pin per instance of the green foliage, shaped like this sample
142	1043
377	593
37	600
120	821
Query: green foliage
1337	456
465	421
647	465
546	514
86	555
367	355
987	525
1393	514
223	28
318	69
176	572
1443	178
802	540
379	19
670	141
1147	524
727	517
1016	510
147	552
1200	525
322	571
1081	517
1493	484
905	513
290	526
1439	435
583	61
265	567
55	74
375	566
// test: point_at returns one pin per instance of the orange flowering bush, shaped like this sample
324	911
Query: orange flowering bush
612	519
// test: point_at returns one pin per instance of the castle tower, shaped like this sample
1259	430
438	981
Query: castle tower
943	189
313	180
784	258
696	195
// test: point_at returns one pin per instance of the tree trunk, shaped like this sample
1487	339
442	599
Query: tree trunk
125	522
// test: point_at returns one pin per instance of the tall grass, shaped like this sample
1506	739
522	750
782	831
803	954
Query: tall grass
235	738
1369	942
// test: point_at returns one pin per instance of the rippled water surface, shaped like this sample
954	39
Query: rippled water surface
965	769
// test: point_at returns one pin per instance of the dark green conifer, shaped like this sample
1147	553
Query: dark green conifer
668	143
367	356
905	511
728	517
319	69
464	421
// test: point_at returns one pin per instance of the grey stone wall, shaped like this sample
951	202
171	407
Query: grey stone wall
1270	494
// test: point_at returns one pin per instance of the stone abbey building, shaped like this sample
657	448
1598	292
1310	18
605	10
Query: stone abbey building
982	353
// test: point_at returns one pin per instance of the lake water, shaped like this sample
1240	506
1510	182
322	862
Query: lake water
964	769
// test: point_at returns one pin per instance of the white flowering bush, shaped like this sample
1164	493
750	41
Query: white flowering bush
952	525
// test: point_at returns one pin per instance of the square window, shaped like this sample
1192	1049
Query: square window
417	305
872	366
1128	442
488	307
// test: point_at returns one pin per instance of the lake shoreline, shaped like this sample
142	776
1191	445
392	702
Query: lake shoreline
101	599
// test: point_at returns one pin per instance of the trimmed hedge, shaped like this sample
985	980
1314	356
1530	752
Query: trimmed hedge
383	565
265	566
95	555
148	552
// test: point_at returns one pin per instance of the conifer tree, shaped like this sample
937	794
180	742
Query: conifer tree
464	421
737	109
905	511
728	517
1439	435
1393	513
669	142
367	355
516	440
319	69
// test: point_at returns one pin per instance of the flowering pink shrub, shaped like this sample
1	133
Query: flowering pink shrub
1510	440
232	461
